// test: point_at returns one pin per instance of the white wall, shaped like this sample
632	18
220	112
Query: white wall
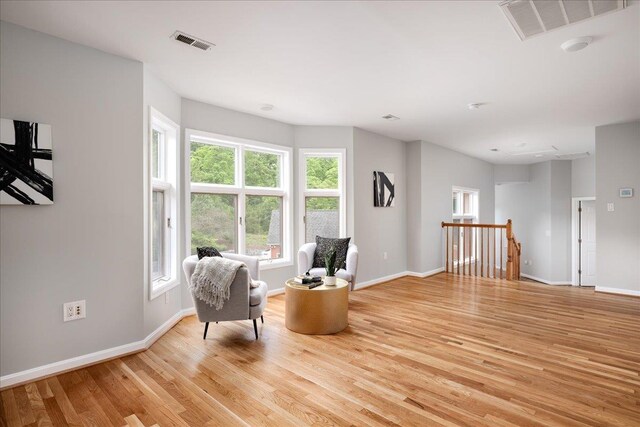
541	213
210	118
379	230
89	243
618	232
158	95
504	174
560	211
414	206
441	170
583	177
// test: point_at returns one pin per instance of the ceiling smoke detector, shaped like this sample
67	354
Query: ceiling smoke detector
531	17
192	41
576	44
474	105
391	117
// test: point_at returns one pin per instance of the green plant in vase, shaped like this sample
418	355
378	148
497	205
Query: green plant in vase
330	268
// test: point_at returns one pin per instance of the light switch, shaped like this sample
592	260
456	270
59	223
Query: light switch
610	207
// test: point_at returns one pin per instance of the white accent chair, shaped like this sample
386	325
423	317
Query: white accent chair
244	303
305	261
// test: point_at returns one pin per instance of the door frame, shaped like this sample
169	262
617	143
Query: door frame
574	236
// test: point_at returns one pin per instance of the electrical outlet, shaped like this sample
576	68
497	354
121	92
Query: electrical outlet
74	310
384	255
610	207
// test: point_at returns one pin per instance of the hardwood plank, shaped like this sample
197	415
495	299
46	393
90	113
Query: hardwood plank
445	350
11	413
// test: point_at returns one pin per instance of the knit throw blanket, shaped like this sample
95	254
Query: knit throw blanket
212	278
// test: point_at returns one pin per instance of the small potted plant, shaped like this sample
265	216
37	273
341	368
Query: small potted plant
330	268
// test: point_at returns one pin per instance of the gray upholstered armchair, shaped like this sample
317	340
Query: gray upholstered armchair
305	261
245	303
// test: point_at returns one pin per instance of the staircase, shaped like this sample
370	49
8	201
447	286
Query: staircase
483	250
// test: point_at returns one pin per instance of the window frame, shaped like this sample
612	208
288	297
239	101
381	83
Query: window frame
304	192
241	191
168	183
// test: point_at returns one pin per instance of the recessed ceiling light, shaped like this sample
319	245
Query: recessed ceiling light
474	105
266	107
576	44
390	117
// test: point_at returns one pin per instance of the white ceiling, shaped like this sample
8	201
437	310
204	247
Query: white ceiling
349	63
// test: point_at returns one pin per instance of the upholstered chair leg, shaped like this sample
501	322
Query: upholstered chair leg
262	318
255	327
206	328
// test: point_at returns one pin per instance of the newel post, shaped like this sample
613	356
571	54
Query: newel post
510	250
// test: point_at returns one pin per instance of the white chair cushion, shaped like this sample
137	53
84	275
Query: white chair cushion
257	295
340	274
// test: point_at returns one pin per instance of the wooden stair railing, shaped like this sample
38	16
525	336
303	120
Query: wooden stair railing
472	248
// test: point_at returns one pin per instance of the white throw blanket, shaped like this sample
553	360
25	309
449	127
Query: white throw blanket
211	281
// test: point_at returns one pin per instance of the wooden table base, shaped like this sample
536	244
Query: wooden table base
318	311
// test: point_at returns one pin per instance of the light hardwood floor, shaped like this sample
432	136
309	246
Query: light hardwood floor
438	351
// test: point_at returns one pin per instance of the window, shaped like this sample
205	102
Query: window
164	196
322	194
240	197
465	211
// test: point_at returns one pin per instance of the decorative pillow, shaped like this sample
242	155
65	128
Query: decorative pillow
324	245
208	251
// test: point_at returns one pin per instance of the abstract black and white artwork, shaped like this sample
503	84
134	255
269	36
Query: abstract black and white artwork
383	190
26	163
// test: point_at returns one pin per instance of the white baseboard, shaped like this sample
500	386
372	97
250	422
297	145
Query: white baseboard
546	282
274	292
92	358
425	274
368	283
361	285
618	291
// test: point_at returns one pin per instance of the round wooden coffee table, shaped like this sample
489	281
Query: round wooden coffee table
319	311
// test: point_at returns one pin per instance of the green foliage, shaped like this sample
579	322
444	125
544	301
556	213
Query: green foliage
213	219
321	203
212	164
258	211
322	173
330	262
261	169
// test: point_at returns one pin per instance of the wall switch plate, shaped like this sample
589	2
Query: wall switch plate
384	255
610	207
74	310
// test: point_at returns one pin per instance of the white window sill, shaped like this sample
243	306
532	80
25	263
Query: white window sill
270	265
161	286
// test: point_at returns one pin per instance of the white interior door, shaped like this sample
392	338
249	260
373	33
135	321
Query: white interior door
588	247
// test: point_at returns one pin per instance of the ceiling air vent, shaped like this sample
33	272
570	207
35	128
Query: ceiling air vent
191	40
531	17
